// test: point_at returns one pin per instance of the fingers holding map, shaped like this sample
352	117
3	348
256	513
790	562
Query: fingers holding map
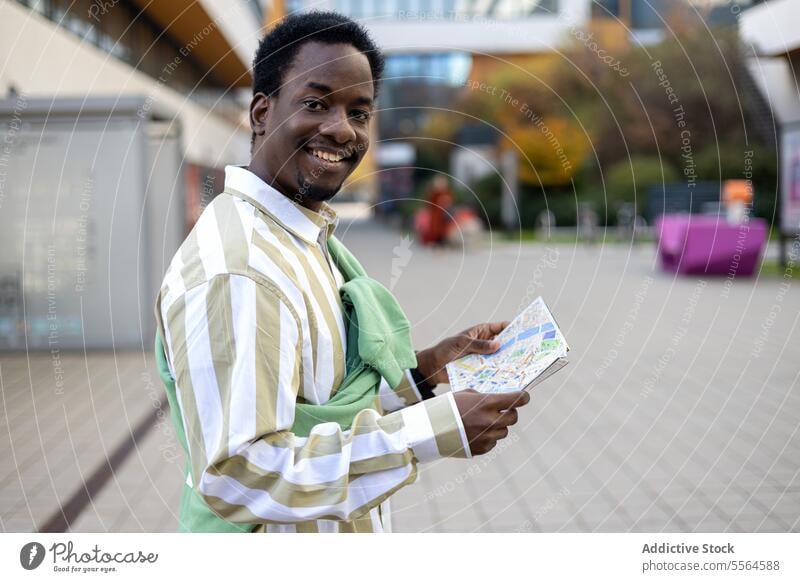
532	348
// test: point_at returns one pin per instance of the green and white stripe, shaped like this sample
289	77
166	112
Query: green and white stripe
252	321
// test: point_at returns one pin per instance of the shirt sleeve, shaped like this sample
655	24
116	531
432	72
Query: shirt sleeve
236	349
413	388
406	393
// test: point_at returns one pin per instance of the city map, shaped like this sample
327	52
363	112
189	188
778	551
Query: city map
532	348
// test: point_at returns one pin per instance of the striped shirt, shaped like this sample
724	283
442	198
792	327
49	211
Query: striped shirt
252	322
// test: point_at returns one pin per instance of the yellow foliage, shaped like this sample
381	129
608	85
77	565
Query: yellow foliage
441	125
550	149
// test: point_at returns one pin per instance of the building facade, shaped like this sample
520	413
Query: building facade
117	118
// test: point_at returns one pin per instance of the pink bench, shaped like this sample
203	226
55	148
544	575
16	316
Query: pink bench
697	244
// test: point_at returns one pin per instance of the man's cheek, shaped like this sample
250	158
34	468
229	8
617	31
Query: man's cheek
297	158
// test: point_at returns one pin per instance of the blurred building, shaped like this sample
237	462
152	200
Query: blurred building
191	58
117	117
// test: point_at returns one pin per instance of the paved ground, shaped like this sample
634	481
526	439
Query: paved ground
679	410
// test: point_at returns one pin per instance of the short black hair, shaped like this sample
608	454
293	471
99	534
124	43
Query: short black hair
278	48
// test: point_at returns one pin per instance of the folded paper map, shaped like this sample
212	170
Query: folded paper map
532	348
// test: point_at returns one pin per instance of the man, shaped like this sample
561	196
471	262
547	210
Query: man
279	353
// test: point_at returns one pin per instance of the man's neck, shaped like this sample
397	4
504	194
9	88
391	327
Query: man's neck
264	175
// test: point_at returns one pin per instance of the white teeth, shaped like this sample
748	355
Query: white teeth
327	156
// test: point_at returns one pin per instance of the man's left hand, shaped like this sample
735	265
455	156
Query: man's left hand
478	339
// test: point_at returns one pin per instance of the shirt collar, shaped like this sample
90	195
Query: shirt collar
299	220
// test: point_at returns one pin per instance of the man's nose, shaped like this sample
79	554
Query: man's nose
338	128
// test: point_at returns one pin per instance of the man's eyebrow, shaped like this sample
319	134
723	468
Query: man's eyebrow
319	87
322	88
364	101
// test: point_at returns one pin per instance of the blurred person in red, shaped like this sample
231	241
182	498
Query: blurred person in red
440	202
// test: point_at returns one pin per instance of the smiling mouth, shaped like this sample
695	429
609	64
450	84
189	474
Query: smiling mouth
337	159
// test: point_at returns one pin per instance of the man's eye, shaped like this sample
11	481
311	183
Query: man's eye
313	105
360	115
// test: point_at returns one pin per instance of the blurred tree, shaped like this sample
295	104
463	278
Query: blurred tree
484	197
439	130
628	181
551	150
525	107
619	109
700	68
720	161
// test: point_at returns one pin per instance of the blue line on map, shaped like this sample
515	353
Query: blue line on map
526	334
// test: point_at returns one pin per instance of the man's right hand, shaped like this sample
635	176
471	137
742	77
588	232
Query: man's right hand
486	417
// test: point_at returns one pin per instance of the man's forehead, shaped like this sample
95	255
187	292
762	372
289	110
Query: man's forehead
340	67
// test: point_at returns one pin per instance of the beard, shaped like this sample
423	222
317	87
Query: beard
312	191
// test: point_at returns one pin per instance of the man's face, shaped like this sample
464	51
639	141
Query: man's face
315	131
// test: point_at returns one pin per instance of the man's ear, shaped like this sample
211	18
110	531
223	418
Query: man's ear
259	108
